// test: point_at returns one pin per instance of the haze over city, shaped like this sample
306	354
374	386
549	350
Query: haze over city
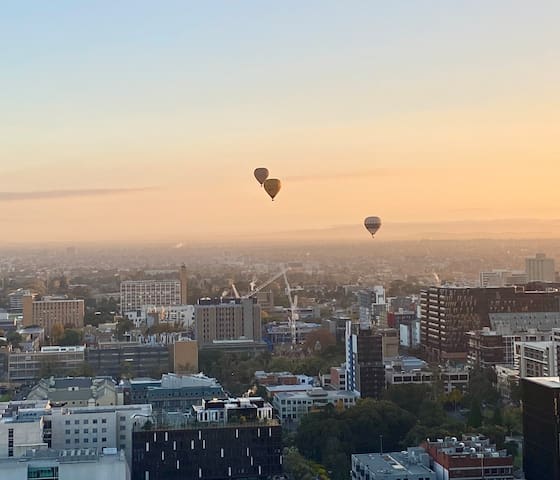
142	122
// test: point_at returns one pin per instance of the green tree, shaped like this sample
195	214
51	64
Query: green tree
71	337
475	415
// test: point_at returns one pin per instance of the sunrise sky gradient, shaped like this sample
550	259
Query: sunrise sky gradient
143	121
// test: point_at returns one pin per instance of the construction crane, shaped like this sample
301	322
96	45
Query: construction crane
294	315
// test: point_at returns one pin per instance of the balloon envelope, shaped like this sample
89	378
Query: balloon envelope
272	186
372	224
261	174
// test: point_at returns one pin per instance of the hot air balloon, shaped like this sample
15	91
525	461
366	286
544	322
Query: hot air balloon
261	174
372	224
272	186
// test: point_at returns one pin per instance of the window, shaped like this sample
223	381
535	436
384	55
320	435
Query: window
94	430
103	430
67	431
67	422
86	422
94	421
104	439
86	430
77	431
76	422
103	420
67	440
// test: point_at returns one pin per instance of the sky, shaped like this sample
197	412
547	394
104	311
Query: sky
137	121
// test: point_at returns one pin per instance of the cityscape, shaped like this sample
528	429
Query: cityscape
302	240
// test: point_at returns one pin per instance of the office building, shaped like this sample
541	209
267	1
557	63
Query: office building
72	464
447	313
365	372
502	278
136	294
97	427
127	359
49	311
234	438
541	428
540	268
452	458
226	319
26	366
412	464
16	300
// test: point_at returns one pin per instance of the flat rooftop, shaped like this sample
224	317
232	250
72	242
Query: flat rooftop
550	382
401	463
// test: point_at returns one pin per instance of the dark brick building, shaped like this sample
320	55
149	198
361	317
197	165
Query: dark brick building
447	313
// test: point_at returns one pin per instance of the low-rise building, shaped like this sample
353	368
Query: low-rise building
485	348
21	428
26	366
98	427
175	393
77	392
292	406
413	464
66	465
50	311
472	457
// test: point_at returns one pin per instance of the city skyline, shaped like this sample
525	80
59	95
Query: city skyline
144	122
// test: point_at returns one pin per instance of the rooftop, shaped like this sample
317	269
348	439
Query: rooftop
412	462
550	382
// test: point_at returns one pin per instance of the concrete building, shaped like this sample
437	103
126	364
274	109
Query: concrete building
175	393
540	268
373	307
452	459
183	356
16	299
413	464
292	406
136	294
536	359
224	319
541	428
77	392
236	438
502	278
183	280
26	366
21	428
98	427
66	465
49	311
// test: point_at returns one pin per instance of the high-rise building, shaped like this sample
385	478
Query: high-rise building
541	428
227	319
49	311
447	313
540	268
136	294
485	348
365	372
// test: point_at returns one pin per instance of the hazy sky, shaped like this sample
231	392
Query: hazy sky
142	120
